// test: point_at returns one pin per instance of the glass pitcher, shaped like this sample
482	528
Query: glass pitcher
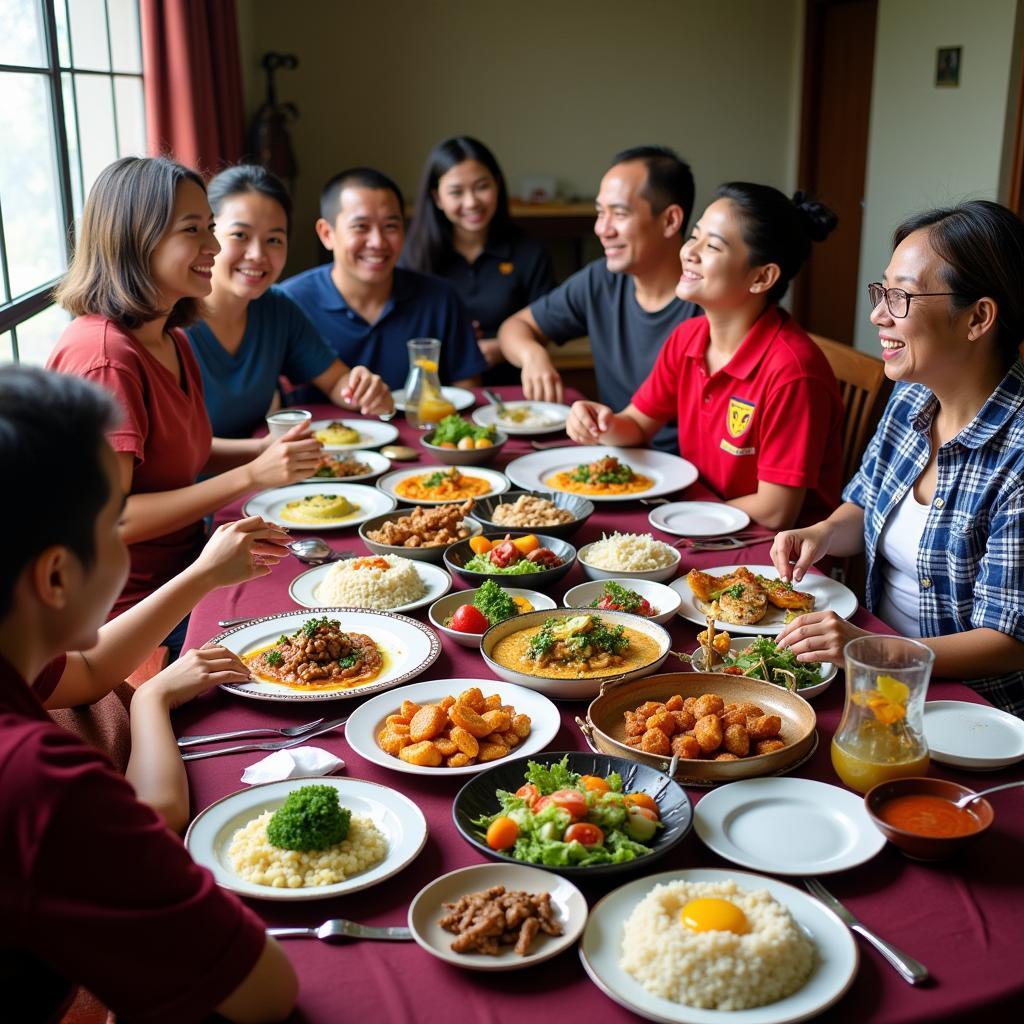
425	403
881	735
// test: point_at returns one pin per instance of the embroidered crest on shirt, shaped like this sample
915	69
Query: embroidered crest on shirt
506	268
738	416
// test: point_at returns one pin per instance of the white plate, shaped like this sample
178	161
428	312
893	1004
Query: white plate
836	967
787	826
670	473
305	587
554	414
737	644
402	822
411	648
368	719
664	600
828	594
369	502
426	910
698	518
461	398
374	460
973	736
498	481
372	433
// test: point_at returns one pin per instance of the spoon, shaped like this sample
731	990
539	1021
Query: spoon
971	797
400	453
316	551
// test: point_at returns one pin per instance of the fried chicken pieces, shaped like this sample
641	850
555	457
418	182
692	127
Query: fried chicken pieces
742	597
425	527
485	921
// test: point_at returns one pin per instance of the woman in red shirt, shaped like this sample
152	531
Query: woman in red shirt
758	407
144	260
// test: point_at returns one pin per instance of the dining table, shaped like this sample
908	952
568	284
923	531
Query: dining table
963	918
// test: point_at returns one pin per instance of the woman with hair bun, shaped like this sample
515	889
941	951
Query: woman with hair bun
938	502
758	406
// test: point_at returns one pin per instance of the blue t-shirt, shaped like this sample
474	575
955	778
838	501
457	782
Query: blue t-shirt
420	306
278	339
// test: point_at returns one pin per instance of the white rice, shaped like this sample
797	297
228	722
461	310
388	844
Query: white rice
715	970
350	584
629	552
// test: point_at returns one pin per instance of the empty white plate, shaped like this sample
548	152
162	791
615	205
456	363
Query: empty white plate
787	826
974	736
698	518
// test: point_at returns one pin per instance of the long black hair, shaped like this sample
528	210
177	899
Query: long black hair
428	244
244	178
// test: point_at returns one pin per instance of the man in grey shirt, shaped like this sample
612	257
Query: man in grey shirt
625	302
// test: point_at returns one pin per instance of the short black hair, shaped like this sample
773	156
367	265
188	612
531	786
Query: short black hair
669	178
362	177
243	178
50	423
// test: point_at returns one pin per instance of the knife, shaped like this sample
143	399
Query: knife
245	748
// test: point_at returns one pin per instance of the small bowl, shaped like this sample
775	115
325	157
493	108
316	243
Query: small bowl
662	598
432	553
913	844
459	554
657	575
741	643
581	508
445	606
465	456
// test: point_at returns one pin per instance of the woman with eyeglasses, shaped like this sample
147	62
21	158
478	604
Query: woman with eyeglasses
938	502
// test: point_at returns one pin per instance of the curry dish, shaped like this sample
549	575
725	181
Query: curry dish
319	509
336	433
579	647
603	477
442	485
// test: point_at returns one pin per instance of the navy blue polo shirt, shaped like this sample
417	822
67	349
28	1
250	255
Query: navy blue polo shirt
420	306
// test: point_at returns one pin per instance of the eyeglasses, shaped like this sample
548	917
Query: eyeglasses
897	301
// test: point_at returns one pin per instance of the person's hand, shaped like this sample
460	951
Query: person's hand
194	673
366	391
588	421
541	381
818	636
240	551
795	551
290	458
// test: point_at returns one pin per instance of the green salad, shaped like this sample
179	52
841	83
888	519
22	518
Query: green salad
483	563
763	660
452	429
559	818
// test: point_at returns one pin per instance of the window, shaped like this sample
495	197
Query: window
71	82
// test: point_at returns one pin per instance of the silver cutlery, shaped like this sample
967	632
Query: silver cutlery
339	928
245	748
225	623
910	970
241	734
654	501
971	797
495	399
316	551
722	543
540	446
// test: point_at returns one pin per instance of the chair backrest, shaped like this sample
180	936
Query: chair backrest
865	390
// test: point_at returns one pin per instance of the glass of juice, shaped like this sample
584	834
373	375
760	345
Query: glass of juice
425	404
881	734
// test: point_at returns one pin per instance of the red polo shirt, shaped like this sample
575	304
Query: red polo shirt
772	413
94	890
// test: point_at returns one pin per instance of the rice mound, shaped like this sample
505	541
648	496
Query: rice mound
349	584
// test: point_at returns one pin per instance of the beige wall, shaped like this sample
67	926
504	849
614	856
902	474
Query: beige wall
932	146
553	86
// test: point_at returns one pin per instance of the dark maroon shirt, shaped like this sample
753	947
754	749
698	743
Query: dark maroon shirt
95	890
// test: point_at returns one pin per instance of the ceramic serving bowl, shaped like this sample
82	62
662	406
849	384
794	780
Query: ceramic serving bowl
593	572
465	456
914	844
573	688
456	557
431	553
581	508
605	727
664	599
445	607
737	644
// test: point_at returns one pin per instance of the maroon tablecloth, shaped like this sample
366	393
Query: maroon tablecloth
963	918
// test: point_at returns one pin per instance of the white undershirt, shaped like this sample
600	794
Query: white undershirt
897	561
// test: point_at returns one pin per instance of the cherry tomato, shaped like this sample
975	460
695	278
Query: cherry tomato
544	557
527	544
540	804
504	554
608	603
585	833
483	442
644	800
479	545
571	800
502	833
595	784
468	619
529	793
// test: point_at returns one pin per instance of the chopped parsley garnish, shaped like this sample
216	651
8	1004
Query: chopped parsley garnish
348	661
435	479
282	640
495	602
627	600
273	658
736	591
580	635
309	628
620	474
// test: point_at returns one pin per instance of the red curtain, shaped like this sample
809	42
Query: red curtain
193	81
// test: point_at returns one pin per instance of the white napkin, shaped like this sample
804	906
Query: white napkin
289	764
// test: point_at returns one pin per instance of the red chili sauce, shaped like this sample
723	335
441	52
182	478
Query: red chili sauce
928	816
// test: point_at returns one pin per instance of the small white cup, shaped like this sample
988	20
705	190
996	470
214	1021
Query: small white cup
280	422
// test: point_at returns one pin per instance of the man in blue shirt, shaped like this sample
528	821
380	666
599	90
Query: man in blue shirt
365	307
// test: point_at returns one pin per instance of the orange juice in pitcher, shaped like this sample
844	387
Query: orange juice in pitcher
425	404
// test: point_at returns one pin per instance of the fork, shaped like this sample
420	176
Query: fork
495	399
339	928
244	748
723	543
910	970
241	734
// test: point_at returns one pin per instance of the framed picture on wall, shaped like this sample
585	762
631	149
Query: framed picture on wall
947	67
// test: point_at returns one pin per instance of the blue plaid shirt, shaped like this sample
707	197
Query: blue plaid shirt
970	565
